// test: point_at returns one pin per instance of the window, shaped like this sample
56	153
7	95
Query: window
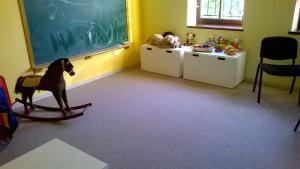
296	23
216	12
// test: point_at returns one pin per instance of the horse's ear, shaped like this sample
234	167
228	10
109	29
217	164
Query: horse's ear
66	60
62	63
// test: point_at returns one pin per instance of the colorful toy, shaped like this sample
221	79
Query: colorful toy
202	48
222	41
211	41
230	50
236	43
219	48
221	44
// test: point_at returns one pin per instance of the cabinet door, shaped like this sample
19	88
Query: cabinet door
149	55
210	68
163	61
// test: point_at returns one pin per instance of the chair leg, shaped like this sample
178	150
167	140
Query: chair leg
299	98
292	86
259	85
255	80
297	125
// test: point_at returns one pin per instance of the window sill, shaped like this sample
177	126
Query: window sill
221	27
296	32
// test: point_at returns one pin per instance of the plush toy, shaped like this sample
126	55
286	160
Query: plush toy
168	33
236	43
164	42
174	41
211	41
190	39
159	41
230	50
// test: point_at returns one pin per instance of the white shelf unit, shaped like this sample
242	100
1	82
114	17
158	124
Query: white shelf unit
214	68
163	61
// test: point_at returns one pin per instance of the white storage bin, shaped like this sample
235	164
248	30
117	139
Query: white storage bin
162	61
214	68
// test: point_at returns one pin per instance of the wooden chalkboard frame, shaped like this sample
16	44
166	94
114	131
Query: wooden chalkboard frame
32	60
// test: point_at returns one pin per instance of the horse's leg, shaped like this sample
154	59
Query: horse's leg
24	100
30	94
58	96
64	97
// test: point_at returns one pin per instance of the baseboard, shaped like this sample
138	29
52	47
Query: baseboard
271	84
48	94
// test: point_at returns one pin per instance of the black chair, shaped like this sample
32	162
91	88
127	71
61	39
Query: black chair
297	125
277	48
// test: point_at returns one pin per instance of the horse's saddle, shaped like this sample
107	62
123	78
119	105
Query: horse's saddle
31	81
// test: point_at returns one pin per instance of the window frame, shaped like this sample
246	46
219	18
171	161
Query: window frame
216	21
296	22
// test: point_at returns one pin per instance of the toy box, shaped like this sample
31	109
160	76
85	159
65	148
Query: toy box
163	61
214	68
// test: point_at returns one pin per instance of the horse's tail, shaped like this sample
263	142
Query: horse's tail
18	87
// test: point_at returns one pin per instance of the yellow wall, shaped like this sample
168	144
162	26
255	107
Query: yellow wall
14	57
262	18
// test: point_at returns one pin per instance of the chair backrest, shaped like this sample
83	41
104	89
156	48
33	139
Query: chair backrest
279	48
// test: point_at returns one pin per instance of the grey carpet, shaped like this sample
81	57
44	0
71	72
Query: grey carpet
5	137
141	120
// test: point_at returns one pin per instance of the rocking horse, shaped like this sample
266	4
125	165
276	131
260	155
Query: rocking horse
52	81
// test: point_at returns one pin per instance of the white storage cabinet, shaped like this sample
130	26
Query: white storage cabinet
214	68
162	61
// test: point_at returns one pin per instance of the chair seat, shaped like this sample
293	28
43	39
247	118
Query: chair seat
282	70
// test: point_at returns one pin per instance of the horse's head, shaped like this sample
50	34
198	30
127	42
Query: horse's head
68	67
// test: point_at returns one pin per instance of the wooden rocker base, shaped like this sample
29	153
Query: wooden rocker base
70	114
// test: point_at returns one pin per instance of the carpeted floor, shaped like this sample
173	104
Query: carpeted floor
141	120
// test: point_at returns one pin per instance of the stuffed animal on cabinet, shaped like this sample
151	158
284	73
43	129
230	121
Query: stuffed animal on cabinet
190	39
169	41
211	41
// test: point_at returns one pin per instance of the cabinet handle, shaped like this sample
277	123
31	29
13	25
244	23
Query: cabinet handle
149	48
168	51
221	58
196	55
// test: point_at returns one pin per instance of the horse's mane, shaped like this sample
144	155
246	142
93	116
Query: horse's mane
55	64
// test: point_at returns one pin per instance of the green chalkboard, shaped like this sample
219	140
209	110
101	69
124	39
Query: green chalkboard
72	28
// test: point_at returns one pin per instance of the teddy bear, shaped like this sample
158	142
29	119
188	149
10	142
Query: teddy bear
164	42
190	39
